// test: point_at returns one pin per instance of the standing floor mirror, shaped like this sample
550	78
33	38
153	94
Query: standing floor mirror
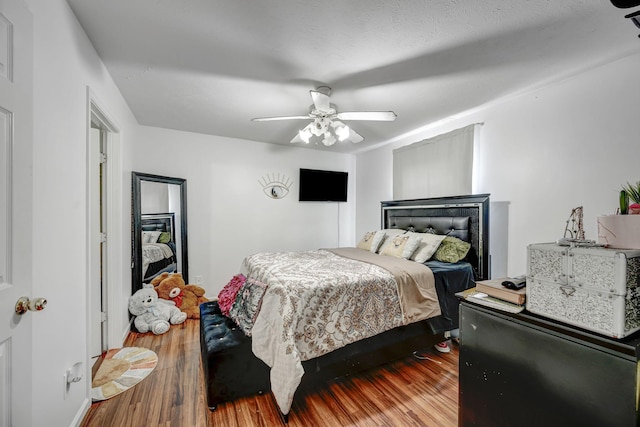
159	227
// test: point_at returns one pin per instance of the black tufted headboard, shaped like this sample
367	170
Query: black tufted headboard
456	226
159	222
465	217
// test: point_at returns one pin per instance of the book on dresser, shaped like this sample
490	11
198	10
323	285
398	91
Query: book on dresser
474	296
495	289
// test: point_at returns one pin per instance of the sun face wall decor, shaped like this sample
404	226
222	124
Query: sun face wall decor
275	186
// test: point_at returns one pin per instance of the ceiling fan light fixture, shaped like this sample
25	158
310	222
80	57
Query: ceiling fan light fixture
328	139
341	130
305	134
319	126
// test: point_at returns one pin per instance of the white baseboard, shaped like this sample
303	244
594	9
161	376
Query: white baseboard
82	412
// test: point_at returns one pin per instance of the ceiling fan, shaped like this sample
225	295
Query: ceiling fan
327	122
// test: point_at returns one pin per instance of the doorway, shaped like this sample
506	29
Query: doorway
98	183
104	242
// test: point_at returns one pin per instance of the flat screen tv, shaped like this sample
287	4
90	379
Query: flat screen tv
323	186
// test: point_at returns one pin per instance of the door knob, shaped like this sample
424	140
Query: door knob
24	304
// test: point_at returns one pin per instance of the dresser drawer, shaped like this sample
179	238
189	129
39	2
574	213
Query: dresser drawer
603	312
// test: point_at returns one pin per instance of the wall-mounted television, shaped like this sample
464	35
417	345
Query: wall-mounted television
323	186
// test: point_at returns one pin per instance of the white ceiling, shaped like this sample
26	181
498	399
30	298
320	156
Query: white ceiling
209	66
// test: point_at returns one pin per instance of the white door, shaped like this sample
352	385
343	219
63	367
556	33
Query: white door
16	123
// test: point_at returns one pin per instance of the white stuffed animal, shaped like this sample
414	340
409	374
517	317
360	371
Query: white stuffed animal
151	314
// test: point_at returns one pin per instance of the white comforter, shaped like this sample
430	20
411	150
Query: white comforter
153	252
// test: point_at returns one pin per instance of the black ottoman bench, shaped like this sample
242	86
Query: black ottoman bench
231	370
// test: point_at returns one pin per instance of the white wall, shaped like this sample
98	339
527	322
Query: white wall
228	214
65	63
543	153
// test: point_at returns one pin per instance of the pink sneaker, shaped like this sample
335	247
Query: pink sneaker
442	347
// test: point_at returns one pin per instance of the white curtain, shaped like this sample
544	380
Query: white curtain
436	167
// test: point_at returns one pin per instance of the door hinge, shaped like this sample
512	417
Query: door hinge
103	237
103	158
103	316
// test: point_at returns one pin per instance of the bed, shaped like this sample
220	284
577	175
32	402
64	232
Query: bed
158	245
316	327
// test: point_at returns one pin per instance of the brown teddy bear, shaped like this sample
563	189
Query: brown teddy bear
186	297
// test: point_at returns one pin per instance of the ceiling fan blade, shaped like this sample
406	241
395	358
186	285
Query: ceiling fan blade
320	100
384	116
354	136
270	119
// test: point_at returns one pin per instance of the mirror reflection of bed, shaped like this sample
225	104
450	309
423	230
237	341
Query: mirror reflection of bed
159	246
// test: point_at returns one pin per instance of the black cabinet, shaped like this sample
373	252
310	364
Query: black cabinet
525	370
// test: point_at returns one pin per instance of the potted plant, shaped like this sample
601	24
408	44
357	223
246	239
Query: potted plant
632	192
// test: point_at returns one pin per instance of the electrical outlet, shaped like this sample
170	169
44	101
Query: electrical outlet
71	375
198	280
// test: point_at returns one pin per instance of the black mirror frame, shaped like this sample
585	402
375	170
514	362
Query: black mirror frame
136	225
625	4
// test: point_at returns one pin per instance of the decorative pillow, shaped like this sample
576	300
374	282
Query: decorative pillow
165	237
394	231
247	305
150	236
227	295
400	246
389	233
371	240
428	245
452	250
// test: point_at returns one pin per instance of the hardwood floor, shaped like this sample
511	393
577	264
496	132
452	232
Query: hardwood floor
408	392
